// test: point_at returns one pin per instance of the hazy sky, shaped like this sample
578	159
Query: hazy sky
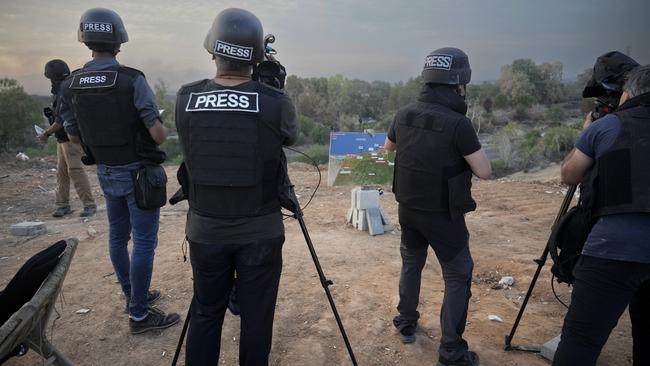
371	40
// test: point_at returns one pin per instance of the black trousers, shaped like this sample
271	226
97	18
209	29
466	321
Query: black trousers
258	265
449	240
602	290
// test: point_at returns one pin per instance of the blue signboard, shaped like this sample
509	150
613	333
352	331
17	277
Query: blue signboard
345	143
357	158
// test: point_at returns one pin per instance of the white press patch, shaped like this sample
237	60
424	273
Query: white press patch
97	27
233	50
438	61
93	79
224	100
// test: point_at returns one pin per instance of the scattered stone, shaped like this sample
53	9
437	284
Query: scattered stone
28	228
92	232
82	311
495	318
506	281
22	156
549	348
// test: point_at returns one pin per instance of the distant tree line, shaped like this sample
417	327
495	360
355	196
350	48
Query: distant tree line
337	103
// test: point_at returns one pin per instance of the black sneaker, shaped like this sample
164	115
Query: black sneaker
469	359
156	319
62	211
152	297
407	334
406	329
88	212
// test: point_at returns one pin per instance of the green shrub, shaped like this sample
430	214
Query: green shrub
558	141
42	150
320	154
172	147
555	114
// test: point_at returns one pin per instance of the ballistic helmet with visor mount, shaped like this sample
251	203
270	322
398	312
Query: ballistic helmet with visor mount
447	65
236	35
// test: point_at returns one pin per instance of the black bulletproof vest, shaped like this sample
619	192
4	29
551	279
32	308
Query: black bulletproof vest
108	120
430	175
623	181
232	146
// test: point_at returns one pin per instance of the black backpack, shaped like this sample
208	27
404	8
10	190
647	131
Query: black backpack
570	233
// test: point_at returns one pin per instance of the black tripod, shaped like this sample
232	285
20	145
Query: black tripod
326	283
541	261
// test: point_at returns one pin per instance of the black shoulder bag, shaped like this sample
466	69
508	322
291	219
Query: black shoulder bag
150	186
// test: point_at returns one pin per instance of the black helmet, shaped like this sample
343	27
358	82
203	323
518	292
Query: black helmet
56	70
101	26
236	35
447	65
609	75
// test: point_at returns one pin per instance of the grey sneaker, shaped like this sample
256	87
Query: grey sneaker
469	359
62	211
156	319
88	211
152	297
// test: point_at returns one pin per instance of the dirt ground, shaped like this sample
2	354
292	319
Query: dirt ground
508	230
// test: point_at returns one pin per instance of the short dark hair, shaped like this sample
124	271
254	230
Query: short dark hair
638	81
225	64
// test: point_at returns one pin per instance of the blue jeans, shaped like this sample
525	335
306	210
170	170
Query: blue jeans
124	218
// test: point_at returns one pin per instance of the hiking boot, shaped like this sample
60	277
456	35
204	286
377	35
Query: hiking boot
152	297
156	319
469	359
62	211
88	211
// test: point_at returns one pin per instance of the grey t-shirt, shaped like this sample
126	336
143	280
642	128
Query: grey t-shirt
624	237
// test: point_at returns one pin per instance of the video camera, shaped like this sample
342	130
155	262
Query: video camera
270	71
607	80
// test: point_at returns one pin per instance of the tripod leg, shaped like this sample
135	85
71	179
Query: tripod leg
541	261
326	283
182	337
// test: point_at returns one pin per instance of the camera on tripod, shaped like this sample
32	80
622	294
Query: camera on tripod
606	83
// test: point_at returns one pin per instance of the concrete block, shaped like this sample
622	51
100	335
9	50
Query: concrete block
28	228
375	226
549	348
367	199
353	197
350	216
361	221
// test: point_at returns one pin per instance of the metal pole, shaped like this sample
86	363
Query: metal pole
541	261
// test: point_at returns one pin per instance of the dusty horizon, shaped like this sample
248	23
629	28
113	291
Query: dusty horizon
377	40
